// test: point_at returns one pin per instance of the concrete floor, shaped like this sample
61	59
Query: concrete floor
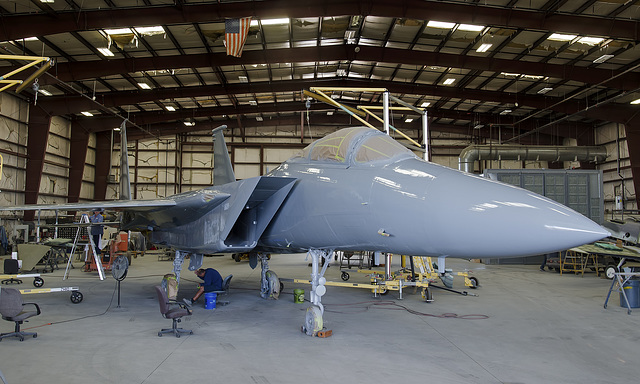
540	328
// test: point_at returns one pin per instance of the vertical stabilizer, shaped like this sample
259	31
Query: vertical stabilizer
222	170
125	184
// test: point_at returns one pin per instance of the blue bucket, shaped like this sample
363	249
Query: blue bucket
210	300
632	291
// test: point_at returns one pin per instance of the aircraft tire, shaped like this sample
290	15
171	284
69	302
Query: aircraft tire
427	295
610	271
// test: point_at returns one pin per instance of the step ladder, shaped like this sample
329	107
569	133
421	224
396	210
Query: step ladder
84	221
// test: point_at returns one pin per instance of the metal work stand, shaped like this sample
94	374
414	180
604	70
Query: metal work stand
621	279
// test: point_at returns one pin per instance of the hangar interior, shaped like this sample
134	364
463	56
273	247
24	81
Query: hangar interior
538	75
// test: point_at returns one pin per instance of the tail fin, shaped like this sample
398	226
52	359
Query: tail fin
222	170
125	184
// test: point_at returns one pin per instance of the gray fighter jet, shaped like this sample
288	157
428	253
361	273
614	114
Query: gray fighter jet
354	190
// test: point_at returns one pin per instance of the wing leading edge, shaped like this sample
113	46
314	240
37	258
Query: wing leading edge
115	204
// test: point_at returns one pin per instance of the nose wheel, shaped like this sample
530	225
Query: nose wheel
313	321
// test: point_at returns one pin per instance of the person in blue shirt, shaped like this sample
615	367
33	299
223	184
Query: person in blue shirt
212	281
97	229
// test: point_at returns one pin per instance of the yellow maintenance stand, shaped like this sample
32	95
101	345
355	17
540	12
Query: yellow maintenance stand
423	275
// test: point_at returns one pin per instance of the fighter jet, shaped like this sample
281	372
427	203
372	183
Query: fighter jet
356	189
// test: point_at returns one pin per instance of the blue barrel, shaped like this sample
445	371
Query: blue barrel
632	290
210	300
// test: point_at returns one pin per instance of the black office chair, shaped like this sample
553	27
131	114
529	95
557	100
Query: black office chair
224	291
11	268
172	310
12	309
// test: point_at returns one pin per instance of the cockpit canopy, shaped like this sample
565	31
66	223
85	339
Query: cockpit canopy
355	145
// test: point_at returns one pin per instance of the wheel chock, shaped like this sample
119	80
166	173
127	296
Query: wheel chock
324	333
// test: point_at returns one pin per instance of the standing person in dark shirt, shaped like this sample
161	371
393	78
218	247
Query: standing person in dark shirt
97	229
212	281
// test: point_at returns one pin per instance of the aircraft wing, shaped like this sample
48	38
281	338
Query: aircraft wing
138	205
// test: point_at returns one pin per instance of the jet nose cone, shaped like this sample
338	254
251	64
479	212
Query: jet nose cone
498	220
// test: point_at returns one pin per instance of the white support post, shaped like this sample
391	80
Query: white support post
425	134
385	108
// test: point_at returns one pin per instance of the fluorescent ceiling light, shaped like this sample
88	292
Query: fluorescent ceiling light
408	120
484	47
105	51
425	104
440	24
253	102
505	112
259	118
156	30
478	126
116	129
284	20
87	113
47	1
329	113
144	86
118	31
470	27
636	101
602	59
449	81
45	92
507	74
544	90
189	123
27	39
243	79
170	108
591	40
562	37
341	72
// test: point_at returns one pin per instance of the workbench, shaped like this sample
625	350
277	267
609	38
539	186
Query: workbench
596	257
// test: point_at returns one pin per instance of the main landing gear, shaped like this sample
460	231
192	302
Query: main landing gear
270	286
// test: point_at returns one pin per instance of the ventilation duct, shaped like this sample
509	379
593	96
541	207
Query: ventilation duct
522	153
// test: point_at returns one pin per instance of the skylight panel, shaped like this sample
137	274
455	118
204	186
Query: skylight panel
118	31
155	30
562	37
590	40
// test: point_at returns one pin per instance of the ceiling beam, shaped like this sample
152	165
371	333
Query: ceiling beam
25	25
150	120
61	105
98	68
336	120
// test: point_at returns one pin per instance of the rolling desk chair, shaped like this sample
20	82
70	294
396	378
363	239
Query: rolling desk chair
12	309
172	310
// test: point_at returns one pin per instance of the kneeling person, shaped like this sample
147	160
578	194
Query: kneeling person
212	281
